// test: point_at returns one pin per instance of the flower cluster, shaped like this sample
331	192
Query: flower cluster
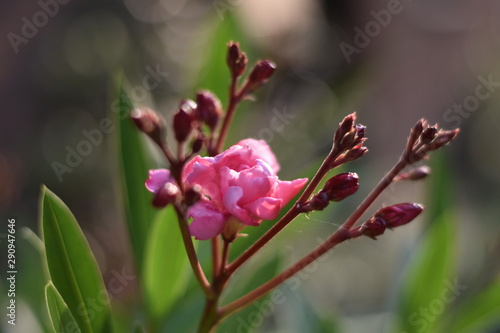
217	195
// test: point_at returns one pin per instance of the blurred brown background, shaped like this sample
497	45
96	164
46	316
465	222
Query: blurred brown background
391	61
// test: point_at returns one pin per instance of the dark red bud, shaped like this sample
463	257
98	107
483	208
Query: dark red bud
148	122
209	109
360	131
442	138
428	134
166	195
345	126
319	202
415	174
373	227
197	145
183	124
260	74
262	71
236	60
415	133
355	153
341	186
399	214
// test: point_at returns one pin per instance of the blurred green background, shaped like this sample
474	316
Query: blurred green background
392	62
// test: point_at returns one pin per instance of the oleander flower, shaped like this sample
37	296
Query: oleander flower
239	186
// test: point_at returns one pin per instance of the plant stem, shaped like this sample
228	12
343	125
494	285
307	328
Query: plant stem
210	316
193	258
234	99
340	235
288	217
216	258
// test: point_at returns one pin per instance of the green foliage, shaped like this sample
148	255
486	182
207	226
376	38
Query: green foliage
251	317
134	165
476	314
72	267
62	319
166	265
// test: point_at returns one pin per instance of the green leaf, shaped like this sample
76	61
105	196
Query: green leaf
134	166
166	264
429	277
430	274
60	315
72	267
478	313
251	318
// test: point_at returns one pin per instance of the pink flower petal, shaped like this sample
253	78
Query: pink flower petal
265	208
157	179
287	190
208	221
231	199
260	150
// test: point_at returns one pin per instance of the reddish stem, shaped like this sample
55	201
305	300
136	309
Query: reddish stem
234	99
288	217
342	234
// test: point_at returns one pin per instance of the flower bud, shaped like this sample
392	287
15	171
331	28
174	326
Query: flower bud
236	60
319	202
399	214
148	122
428	134
354	153
373	227
209	109
183	124
442	138
197	145
261	72
415	174
341	186
165	195
345	126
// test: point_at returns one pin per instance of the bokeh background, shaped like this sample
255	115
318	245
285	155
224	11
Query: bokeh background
430	59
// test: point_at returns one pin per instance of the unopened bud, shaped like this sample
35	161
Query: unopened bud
442	138
148	122
345	126
341	186
354	153
209	109
236	60
373	227
183	124
166	195
197	145
428	134
399	214
260	74
319	202
415	174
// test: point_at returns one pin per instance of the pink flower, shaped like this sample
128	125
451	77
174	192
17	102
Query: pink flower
241	184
